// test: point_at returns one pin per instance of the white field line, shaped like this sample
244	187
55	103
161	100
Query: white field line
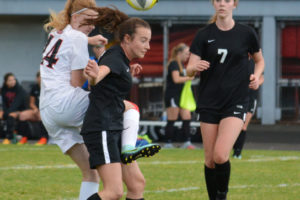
283	185
22	149
33	167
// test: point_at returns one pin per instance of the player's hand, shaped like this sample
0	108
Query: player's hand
135	69
97	40
92	71
201	65
254	82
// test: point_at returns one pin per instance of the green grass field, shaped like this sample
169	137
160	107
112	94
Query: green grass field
30	172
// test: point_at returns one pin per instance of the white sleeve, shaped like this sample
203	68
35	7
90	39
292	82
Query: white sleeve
80	56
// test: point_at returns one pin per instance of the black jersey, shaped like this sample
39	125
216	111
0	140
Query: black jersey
35	93
226	82
173	89
105	111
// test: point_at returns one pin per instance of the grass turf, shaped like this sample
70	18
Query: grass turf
29	172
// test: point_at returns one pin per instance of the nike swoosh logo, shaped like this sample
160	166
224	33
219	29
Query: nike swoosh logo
210	41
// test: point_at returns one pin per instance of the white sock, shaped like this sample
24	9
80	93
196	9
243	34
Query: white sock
131	127
87	189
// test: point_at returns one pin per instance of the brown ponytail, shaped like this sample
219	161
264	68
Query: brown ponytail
117	22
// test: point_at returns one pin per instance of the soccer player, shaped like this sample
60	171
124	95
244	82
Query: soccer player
240	141
176	78
220	53
111	82
62	101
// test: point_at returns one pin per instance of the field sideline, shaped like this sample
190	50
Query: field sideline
34	173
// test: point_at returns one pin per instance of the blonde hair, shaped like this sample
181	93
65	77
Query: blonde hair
174	55
63	18
213	19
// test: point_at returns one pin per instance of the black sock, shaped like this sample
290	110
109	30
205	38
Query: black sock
239	143
44	132
169	130
11	123
94	197
186	130
223	176
23	128
134	199
210	179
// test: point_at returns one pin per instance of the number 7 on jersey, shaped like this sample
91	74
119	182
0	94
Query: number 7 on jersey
224	53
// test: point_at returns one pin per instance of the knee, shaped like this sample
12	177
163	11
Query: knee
90	175
210	163
22	117
115	192
137	186
220	157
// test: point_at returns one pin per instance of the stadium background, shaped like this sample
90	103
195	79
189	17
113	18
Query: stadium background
277	22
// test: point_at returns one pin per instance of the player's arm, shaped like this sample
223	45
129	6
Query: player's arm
97	40
196	64
258	70
96	73
77	78
180	79
32	104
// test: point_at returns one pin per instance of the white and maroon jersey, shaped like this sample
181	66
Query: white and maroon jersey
65	51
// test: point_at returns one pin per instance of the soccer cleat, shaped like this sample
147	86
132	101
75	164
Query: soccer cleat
41	142
187	145
168	146
237	157
22	141
6	141
139	152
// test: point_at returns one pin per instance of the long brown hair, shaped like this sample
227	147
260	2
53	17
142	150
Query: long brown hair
117	22
213	18
174	54
63	18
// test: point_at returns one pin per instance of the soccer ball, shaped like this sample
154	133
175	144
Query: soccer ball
142	4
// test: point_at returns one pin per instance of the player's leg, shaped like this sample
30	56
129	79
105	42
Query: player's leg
209	134
104	150
24	116
131	119
63	132
172	115
129	136
186	129
240	141
229	129
11	122
134	180
90	178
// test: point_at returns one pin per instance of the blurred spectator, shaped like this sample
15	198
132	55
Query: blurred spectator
14	99
33	113
175	80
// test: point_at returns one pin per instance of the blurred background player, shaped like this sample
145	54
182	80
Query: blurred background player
33	114
14	100
176	78
239	144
